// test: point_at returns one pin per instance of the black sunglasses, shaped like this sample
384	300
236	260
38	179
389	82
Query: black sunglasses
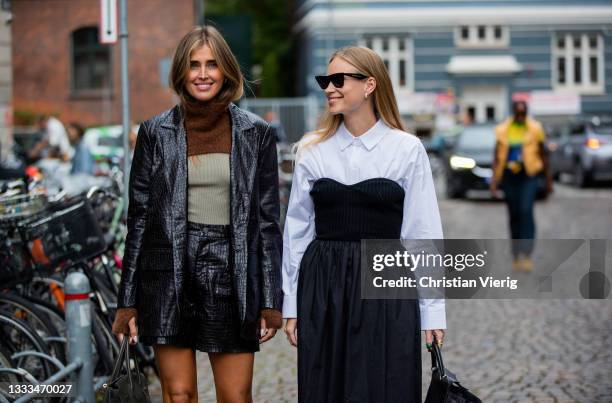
336	79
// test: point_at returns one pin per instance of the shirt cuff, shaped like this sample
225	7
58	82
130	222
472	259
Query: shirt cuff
433	317
289	307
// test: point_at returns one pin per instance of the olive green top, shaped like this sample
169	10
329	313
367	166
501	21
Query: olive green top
208	196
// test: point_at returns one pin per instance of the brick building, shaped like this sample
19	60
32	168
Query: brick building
60	68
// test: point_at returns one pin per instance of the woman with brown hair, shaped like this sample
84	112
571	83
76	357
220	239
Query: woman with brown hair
201	269
360	176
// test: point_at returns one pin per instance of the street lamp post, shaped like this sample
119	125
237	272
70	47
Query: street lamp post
125	100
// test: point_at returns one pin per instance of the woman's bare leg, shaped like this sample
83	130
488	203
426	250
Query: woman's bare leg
233	374
177	373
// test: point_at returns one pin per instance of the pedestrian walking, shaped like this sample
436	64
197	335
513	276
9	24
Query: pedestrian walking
54	142
360	176
201	269
520	157
82	160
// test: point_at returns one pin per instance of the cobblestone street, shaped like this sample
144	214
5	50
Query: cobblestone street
503	350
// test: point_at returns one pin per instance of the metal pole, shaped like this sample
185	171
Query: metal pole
78	321
125	99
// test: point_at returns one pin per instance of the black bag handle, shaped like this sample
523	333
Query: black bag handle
118	363
436	359
123	358
127	360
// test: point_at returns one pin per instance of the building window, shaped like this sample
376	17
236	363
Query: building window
490	113
578	62
481	36
482	33
91	61
396	52
561	69
402	73
561	42
497	32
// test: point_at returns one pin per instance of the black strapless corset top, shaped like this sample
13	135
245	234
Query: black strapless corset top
370	209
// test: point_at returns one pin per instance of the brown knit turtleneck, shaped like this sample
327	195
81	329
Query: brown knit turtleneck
208	127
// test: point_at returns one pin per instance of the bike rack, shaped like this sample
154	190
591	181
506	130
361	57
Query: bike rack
78	321
21	372
47	357
55	339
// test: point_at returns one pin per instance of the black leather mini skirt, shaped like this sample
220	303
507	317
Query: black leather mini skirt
212	303
209	320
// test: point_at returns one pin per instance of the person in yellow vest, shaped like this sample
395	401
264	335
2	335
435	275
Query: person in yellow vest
520	156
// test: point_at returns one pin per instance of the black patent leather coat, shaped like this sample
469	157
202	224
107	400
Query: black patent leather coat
155	251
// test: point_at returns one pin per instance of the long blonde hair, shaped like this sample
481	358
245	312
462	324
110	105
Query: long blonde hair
233	86
369	63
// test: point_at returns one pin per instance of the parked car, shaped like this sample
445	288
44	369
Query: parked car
468	164
470	160
583	149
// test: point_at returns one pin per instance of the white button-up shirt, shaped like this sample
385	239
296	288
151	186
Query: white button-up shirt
381	152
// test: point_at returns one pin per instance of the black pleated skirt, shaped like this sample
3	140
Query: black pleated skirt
349	349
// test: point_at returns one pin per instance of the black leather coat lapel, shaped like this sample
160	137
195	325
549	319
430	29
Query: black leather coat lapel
243	167
177	164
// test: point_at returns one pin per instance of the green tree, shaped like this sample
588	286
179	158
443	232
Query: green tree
271	40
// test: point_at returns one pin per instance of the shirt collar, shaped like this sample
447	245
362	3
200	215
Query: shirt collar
369	139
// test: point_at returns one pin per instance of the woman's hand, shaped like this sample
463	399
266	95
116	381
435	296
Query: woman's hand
429	337
271	319
493	189
291	331
549	187
125	323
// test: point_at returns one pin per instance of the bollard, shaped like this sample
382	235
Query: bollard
78	321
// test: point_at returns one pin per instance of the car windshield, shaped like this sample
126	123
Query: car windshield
477	137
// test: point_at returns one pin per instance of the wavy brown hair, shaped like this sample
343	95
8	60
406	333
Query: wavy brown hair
233	86
368	63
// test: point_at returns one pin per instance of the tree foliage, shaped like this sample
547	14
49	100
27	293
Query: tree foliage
272	41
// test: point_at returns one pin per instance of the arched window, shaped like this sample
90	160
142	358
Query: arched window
91	61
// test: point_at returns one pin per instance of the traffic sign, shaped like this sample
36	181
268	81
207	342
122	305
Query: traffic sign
108	21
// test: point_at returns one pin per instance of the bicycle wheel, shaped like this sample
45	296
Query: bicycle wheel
40	322
18	336
5	362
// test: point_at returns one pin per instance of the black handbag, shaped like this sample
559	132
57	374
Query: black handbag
444	386
129	387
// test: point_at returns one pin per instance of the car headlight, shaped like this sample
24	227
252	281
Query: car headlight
457	162
593	143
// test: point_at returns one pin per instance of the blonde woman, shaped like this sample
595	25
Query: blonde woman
360	176
201	269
